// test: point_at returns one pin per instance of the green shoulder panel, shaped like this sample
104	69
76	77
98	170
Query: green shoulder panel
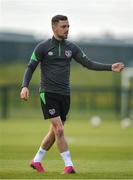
33	57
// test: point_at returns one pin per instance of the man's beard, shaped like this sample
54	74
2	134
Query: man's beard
63	37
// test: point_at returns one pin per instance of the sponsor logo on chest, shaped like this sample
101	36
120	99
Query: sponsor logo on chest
68	53
50	53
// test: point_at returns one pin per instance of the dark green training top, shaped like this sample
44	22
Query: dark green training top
55	57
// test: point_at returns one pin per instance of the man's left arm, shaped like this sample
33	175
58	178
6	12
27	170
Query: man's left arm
81	58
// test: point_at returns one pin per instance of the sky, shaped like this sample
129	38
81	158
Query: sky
86	17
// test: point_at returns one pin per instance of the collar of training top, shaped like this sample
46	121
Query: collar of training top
56	41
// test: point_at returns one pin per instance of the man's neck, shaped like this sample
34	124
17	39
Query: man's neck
57	38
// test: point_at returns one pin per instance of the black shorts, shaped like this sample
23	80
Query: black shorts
54	105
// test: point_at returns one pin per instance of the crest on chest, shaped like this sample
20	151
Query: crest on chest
68	53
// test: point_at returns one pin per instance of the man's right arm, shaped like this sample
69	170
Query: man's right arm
26	79
36	57
28	73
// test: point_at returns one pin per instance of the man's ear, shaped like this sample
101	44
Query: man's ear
54	28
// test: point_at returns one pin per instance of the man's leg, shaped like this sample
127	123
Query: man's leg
48	140
46	144
58	129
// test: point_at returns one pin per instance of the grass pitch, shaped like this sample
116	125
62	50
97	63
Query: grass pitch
98	153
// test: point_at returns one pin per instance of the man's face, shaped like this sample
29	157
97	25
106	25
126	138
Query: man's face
61	29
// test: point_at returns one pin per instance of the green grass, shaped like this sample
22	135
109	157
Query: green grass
98	153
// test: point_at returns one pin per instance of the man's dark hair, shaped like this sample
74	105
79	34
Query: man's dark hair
58	18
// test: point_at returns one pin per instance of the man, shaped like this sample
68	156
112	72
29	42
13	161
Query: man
54	56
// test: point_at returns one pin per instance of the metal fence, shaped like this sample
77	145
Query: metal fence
83	98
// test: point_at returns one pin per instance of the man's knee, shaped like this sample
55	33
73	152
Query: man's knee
59	132
58	127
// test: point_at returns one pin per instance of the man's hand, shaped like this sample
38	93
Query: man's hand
117	67
24	93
